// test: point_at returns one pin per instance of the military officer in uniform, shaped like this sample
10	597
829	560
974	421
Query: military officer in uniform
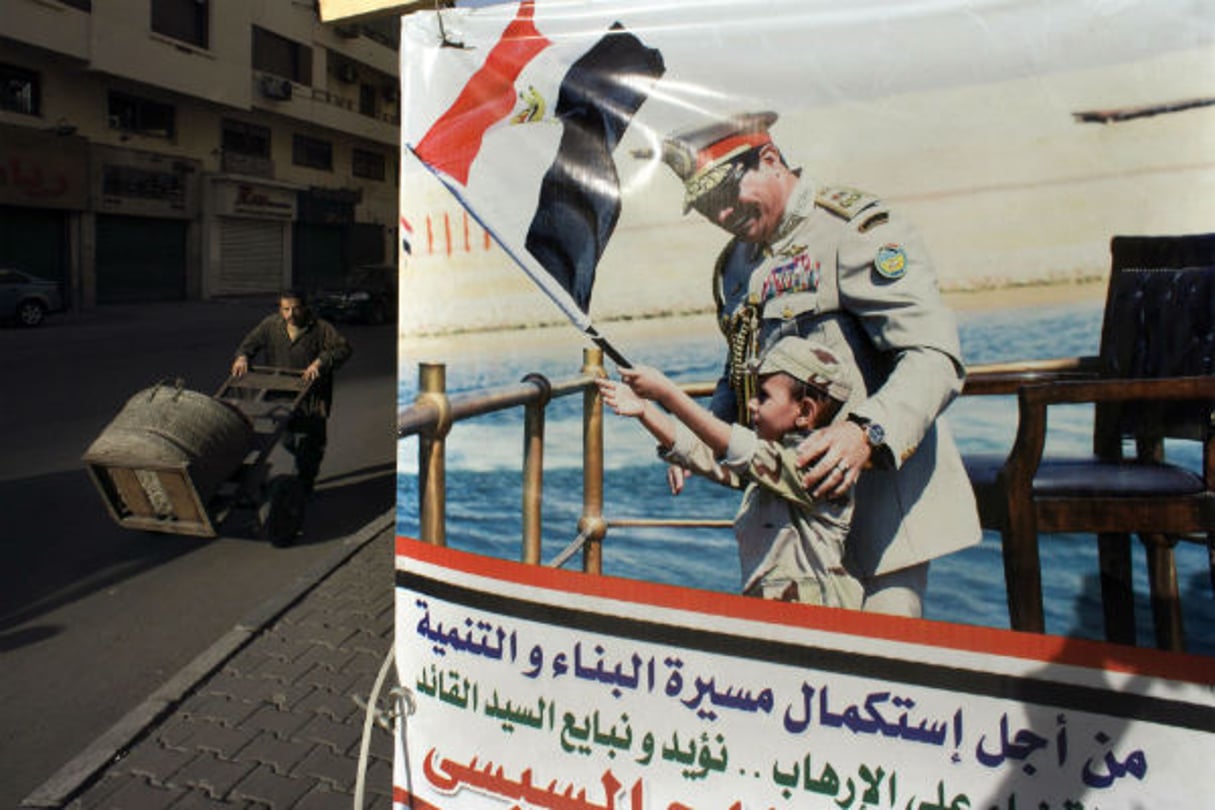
838	264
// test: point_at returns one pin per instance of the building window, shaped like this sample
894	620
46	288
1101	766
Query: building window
20	90
241	138
83	5
135	183
141	116
281	56
245	149
312	152
343	69
367	100
368	165
185	20
386	32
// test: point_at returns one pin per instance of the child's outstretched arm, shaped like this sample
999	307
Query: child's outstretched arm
622	399
652	384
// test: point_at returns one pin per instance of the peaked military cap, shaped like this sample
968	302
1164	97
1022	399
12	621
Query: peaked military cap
703	156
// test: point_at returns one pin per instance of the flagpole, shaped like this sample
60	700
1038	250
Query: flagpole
575	315
608	349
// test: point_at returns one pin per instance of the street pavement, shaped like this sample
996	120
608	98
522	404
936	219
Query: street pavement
94	617
267	716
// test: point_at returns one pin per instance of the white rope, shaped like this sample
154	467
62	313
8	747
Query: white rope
384	718
569	550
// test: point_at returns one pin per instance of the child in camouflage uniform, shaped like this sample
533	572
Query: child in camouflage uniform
790	546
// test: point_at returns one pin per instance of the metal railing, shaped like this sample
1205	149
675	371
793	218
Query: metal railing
434	413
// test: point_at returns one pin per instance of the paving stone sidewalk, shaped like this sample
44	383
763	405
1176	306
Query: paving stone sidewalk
276	724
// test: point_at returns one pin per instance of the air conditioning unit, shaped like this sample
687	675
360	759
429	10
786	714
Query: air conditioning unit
276	88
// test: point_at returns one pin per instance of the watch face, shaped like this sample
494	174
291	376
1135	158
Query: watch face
875	433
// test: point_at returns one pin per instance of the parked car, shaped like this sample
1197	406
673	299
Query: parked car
367	294
27	299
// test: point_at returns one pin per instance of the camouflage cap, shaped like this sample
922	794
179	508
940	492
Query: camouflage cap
809	362
703	156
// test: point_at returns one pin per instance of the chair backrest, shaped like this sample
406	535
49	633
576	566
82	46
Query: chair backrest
1159	322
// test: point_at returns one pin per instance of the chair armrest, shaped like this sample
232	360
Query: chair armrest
1032	401
987	379
1115	390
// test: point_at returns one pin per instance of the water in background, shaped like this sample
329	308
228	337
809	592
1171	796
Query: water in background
484	489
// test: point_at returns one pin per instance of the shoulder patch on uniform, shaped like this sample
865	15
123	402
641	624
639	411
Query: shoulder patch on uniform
891	261
843	201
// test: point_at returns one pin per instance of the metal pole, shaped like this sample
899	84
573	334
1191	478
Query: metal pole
432	472
592	523
533	468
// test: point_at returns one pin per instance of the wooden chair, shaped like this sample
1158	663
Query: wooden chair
1151	381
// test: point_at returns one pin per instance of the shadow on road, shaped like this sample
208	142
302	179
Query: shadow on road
344	503
60	545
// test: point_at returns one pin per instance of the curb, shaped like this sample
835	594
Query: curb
61	787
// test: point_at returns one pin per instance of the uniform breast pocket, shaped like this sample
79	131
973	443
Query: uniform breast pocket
791	305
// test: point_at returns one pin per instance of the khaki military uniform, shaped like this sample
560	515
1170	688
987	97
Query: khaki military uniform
845	267
790	545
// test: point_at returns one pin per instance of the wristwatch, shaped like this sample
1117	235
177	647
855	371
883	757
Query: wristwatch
875	434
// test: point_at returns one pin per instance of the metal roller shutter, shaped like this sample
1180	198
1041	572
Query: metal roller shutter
35	240
251	256
140	259
318	254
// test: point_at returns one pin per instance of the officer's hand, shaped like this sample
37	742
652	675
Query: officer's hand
313	371
676	477
831	459
240	366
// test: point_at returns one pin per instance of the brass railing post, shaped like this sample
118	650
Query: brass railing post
592	523
533	467
432	468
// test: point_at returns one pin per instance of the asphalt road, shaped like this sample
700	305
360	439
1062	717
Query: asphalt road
93	616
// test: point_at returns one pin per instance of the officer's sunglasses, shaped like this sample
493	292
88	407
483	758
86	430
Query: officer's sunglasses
725	193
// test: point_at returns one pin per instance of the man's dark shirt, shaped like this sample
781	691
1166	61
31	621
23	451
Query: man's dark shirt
270	345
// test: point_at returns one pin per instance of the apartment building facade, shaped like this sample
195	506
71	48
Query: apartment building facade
184	149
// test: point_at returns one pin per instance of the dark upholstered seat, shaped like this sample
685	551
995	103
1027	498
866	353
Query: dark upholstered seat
1087	476
1151	381
1091	477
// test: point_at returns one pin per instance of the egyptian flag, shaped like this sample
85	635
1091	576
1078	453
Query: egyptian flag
526	146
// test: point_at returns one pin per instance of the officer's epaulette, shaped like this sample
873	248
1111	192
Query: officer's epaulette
843	201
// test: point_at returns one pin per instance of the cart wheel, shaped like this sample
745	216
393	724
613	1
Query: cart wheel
282	512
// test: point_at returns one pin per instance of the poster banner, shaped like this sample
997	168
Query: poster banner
579	175
1017	137
543	691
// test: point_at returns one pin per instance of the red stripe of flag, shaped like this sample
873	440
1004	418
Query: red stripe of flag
453	141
